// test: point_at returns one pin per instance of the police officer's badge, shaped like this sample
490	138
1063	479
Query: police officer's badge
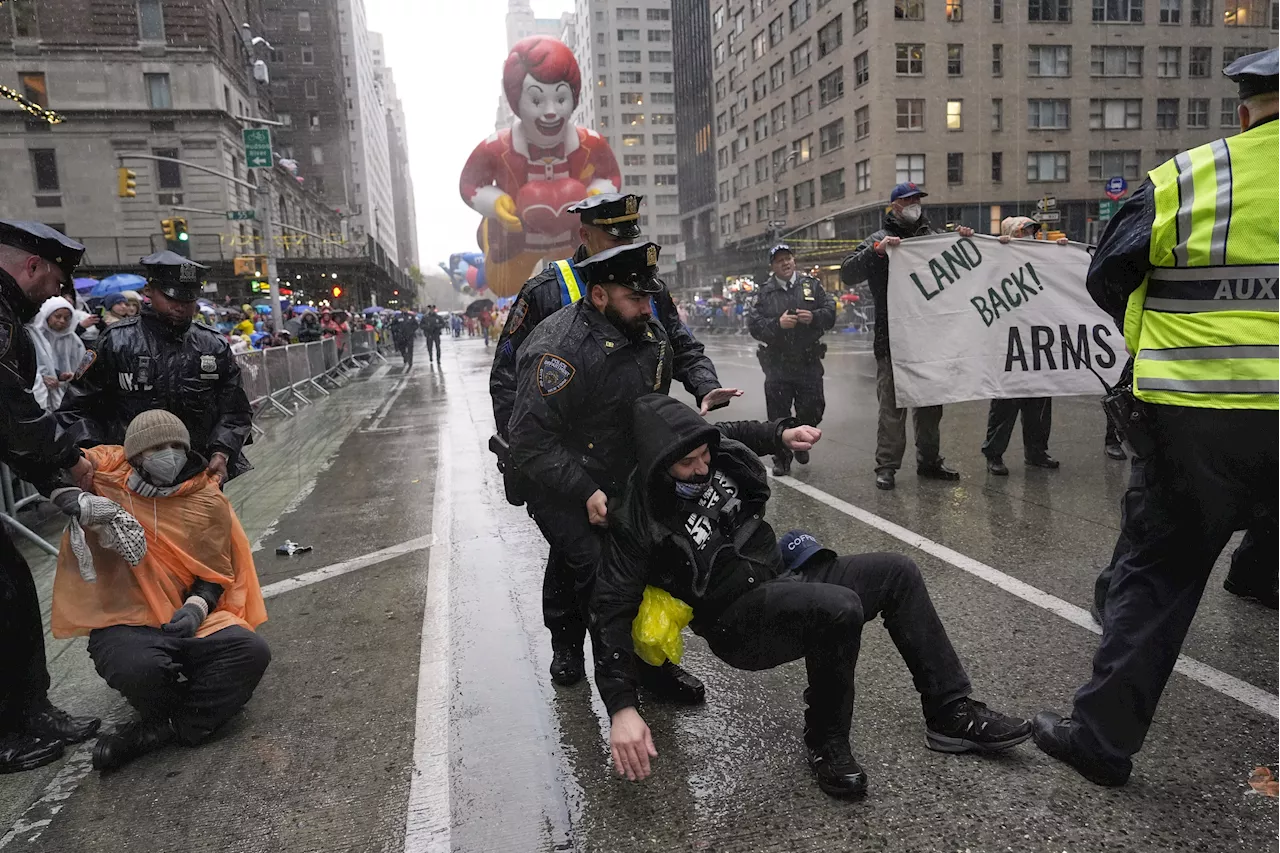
632	205
651	256
554	373
208	364
187	274
90	357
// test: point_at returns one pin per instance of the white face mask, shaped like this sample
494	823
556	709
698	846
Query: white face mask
911	214
164	466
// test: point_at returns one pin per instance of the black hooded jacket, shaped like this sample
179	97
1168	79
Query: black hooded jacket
866	264
648	543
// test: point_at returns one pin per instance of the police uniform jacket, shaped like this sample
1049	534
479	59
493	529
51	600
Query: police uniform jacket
143	363
791	346
866	264
29	440
578	376
542	296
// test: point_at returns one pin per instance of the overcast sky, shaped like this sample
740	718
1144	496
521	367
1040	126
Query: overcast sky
447	59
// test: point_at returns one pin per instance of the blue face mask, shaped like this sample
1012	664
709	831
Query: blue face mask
689	491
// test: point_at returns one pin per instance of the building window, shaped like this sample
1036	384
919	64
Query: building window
803	149
910	114
778	118
799	12
1104	165
1115	61
657	14
955	60
304	22
997	113
44	165
1049	11
831	136
800	58
317	155
1245	13
997	60
1229	116
285	118
954	114
777	74
659	78
633	118
955	11
997	11
1115	113
659	56
34	87
158	91
664	139
1117	11
1170	11
635	180
759	45
1197	112
908	10
1169	62
803	193
859	16
628	56
1049	60
25	22
759	88
802	104
1048	114
775	31
1231	54
997	166
659	35
627	35
309	89
1199	61
313	120
762	208
762	169
861	69
955	168
831	87
910	168
308	56
150	20
634	159
1166	113
761	125
861	122
862	176
168	175
832	186
636	98
717	19
628	13
830	37
909	60
664	159
1047	166
1201	13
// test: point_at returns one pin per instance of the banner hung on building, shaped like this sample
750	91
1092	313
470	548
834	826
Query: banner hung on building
971	318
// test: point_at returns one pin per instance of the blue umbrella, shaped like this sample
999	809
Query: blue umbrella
374	309
83	284
118	283
303	309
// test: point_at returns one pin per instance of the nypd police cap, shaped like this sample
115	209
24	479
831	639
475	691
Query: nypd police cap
616	214
1255	74
779	249
174	276
43	242
634	266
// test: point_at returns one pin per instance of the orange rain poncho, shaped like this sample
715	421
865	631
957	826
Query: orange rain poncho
191	534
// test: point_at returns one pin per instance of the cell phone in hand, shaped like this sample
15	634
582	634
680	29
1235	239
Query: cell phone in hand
793	311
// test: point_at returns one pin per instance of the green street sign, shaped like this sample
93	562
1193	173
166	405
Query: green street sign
242	214
257	147
1107	209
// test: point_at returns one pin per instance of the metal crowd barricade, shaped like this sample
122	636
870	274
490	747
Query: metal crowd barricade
275	375
13	502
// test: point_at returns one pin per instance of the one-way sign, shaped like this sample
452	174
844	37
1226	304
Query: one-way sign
257	147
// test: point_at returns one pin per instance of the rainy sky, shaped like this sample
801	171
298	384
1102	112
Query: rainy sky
447	58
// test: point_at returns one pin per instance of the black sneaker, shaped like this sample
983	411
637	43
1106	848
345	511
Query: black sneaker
802	456
21	751
967	725
995	464
1267	596
567	666
836	769
884	480
1054	735
937	471
133	741
671	683
52	723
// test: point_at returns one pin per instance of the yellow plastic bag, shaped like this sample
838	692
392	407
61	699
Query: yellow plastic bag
656	629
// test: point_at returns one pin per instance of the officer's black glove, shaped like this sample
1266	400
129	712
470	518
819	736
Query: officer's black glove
186	619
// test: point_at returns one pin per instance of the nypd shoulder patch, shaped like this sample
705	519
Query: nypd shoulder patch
554	374
90	356
518	313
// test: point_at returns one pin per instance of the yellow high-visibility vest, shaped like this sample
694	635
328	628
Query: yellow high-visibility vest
1203	325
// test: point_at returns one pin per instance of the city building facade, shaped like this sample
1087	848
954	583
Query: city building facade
521	24
398	160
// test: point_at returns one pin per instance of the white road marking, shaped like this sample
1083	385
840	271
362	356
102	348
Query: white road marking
348	566
391	399
1214	679
428	816
37	817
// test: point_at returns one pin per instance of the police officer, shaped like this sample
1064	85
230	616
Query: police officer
36	261
570	429
159	359
608	220
789	316
1188	267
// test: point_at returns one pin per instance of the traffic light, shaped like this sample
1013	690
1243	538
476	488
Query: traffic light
170	232
126	180
180	230
336	290
251	266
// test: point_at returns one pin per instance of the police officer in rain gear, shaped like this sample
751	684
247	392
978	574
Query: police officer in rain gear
159	359
578	374
1188	268
789	316
608	220
36	261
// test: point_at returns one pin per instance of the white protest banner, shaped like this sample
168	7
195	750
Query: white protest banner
971	318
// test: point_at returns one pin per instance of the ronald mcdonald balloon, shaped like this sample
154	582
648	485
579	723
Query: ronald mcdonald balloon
523	179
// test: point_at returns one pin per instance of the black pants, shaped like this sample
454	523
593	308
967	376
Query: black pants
24	679
406	352
221	673
1214	472
576	548
801	385
818	613
561	610
433	342
1037	417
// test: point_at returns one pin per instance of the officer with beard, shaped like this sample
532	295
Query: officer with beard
578	375
159	359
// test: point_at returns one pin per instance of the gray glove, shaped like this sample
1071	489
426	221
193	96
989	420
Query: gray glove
68	501
186	620
117	530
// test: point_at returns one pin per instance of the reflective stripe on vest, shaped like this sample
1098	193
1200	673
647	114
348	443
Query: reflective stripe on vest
570	292
1205	323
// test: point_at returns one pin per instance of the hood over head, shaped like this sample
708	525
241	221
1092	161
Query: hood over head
53	303
665	430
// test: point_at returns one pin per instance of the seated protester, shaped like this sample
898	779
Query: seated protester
188	609
691	522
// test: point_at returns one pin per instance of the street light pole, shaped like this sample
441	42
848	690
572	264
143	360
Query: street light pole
268	242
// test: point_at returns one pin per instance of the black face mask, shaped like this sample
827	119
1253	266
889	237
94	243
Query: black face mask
690	489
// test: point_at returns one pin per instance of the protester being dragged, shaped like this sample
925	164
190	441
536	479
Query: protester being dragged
58	351
1037	412
187	611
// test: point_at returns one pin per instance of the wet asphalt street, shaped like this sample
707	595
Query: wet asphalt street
408	708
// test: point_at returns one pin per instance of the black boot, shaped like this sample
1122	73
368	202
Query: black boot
133	741
1055	735
21	751
836	769
884	480
671	683
802	456
781	466
936	471
567	666
995	464
1264	594
1042	460
50	723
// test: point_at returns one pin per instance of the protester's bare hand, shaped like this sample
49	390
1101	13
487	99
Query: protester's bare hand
90	321
50	382
887	241
1062	241
66	376
82	474
631	744
717	398
964	231
218	467
787	321
598	509
801	437
1005	238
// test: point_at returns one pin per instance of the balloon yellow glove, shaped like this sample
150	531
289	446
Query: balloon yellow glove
505	210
